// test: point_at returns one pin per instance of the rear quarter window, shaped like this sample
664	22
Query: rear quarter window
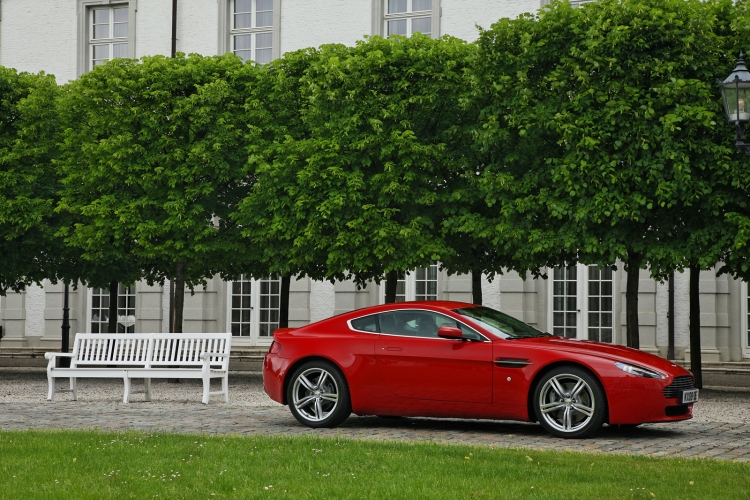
366	324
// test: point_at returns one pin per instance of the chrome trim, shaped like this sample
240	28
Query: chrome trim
512	362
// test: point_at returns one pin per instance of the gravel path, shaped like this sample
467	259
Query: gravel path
29	385
720	429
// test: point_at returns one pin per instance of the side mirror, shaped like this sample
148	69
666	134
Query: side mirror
450	332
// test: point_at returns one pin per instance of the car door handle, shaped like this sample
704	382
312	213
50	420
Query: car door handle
392	348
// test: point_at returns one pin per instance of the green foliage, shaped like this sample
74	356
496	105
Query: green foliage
153	155
355	186
621	99
29	252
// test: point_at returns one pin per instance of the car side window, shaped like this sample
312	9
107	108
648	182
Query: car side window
366	324
416	323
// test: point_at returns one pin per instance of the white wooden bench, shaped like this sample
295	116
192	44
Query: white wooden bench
146	356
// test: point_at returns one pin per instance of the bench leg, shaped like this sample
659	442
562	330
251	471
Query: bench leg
51	382
73	388
126	396
206	389
147	383
225	388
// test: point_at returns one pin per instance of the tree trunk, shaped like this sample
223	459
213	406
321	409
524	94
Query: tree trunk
286	281
476	286
695	326
391	283
179	296
631	301
112	324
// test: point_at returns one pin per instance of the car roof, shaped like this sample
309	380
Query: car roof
414	304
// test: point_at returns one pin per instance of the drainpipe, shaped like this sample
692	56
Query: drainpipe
174	28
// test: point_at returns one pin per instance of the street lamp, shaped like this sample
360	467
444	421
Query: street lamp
735	91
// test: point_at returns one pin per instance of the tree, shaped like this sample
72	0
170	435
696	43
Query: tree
153	157
28	183
359	194
622	95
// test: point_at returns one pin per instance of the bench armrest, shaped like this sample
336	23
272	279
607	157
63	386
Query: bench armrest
50	355
206	355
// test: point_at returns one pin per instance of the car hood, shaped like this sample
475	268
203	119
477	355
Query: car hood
609	351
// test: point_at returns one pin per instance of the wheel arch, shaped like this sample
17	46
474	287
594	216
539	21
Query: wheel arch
556	364
301	361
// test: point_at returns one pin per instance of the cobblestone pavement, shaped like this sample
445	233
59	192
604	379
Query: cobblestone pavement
103	410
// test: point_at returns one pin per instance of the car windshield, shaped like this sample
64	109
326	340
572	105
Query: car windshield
500	324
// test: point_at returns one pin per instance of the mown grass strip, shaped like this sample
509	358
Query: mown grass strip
89	464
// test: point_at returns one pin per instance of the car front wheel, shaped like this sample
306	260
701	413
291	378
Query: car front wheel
318	395
569	402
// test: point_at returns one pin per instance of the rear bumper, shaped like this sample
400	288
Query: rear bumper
639	406
273	377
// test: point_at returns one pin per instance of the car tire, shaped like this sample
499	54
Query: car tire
569	402
318	395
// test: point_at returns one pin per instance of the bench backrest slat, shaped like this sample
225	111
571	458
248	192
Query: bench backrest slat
151	349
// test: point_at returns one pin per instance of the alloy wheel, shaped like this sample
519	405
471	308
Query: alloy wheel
567	403
315	394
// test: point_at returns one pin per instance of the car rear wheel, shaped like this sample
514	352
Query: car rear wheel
318	395
570	403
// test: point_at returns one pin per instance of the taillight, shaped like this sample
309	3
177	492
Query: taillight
275	348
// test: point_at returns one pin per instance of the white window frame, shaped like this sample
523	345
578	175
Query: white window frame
84	62
254	339
226	31
89	304
582	312
380	18
410	288
744	324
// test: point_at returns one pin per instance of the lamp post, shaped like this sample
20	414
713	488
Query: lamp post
65	362
735	92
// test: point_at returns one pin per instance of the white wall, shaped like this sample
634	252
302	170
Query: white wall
460	17
311	23
39	35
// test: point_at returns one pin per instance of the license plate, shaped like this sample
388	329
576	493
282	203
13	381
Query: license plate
689	396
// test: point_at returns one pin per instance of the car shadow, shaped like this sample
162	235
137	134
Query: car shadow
502	427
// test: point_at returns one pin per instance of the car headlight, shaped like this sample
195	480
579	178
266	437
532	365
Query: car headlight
638	371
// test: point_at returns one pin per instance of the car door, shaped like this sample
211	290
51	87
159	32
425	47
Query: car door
415	363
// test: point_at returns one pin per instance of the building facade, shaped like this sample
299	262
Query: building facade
69	37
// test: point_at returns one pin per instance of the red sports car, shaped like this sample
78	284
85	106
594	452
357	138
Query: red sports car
457	360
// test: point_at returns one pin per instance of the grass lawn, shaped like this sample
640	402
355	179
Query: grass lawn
88	464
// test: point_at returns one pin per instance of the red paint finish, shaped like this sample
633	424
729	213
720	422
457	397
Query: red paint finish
436	369
410	375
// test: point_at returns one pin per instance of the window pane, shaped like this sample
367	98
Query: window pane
243	20
101	52
236	301
409	323
366	324
421	25
101	31
264	19
242	42
263	40
121	15
246	55
120	50
243	5
395	6
263	56
101	16
418	5
397	27
264	5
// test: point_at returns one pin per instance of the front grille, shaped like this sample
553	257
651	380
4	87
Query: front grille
679	383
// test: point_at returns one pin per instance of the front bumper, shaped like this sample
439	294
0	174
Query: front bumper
638	406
